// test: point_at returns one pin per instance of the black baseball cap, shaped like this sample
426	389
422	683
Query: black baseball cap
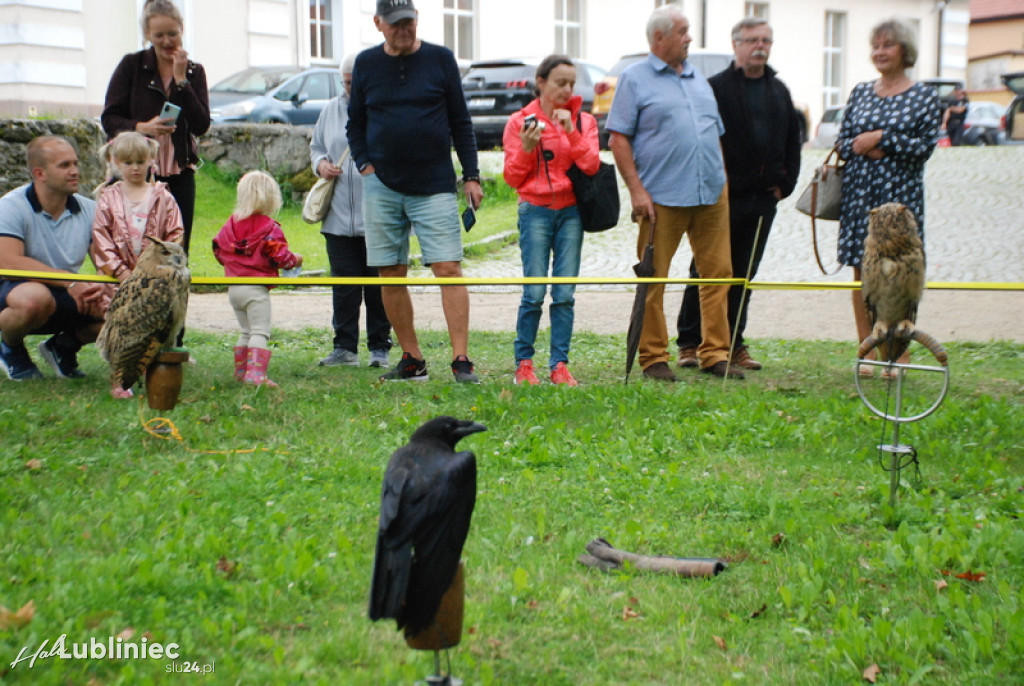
394	11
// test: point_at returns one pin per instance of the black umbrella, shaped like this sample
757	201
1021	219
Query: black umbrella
643	269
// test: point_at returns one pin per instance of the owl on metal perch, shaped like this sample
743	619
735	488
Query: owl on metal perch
892	279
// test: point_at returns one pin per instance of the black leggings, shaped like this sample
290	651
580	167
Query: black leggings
183	187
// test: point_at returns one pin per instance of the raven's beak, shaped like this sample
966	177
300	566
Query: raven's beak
467	428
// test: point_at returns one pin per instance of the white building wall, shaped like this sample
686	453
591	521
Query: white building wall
229	35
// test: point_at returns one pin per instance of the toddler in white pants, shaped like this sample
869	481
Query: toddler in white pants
251	243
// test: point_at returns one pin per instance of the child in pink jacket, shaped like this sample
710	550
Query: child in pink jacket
132	207
251	243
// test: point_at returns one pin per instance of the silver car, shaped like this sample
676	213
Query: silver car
828	129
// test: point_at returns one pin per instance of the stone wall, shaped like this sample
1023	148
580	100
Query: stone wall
234	148
85	134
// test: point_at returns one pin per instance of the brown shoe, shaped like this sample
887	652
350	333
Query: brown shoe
688	357
659	371
723	370
741	358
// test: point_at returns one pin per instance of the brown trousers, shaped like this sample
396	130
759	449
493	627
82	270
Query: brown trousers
707	227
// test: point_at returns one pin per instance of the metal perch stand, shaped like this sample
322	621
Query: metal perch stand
896	450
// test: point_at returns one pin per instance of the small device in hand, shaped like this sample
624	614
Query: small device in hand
468	217
170	111
530	120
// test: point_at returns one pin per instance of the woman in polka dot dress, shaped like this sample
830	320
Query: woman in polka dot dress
889	130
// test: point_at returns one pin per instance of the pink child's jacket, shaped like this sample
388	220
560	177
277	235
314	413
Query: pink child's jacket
547	185
254	246
111	250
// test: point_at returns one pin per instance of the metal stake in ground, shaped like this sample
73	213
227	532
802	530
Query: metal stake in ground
898	452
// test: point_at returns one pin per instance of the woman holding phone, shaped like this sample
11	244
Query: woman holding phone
541	142
161	94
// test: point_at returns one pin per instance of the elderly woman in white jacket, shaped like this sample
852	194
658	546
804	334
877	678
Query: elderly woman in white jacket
346	244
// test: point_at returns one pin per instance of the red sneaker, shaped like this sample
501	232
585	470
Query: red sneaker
560	376
525	374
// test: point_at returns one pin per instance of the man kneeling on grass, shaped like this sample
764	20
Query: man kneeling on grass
45	226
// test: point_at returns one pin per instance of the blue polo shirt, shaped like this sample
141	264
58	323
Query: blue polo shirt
674	125
61	242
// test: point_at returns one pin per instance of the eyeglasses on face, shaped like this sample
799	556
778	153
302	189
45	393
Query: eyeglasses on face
755	41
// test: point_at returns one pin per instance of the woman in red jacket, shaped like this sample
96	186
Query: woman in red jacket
541	142
136	94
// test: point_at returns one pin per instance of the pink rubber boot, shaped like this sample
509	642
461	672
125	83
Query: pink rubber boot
256	367
241	362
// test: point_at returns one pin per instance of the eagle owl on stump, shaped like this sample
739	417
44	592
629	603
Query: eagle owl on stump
892	278
146	315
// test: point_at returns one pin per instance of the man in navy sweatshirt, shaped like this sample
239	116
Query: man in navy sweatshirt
405	111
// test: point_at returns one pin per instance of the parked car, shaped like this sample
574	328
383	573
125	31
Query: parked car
945	88
984	124
495	89
297	100
827	131
705	61
1014	117
248	83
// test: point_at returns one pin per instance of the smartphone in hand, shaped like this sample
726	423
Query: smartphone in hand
170	111
468	217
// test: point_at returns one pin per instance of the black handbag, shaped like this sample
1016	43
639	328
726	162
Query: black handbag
597	196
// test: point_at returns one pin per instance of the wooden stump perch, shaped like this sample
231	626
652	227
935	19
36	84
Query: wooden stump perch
602	555
446	629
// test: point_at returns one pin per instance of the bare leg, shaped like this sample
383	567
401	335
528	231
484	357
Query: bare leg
29	306
860	313
455	301
398	305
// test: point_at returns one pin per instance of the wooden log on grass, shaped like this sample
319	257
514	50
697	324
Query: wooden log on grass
606	557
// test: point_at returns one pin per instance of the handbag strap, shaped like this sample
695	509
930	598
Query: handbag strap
814	236
814	213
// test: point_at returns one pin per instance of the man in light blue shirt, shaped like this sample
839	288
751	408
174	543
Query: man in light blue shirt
665	131
46	226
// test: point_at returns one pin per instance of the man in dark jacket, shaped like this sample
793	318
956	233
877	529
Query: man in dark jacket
761	146
406	111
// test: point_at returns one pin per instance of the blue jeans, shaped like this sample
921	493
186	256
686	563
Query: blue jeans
548	238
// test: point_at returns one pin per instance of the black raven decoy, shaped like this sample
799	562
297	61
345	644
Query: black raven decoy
425	507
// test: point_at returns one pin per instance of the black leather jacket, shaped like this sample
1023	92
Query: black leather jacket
136	94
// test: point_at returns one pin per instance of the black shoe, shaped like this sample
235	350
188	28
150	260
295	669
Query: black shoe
462	368
722	370
17	364
62	356
407	369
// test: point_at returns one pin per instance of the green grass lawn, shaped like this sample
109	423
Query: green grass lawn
249	542
215	199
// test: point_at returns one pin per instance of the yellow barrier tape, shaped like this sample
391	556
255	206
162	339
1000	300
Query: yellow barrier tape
517	281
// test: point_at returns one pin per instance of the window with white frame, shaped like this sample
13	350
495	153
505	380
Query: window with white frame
569	27
458	27
321	30
756	8
832	83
